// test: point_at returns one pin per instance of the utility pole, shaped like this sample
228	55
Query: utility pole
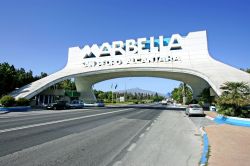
116	85
112	96
116	97
112	92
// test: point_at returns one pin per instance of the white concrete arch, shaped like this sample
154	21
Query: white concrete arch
179	58
197	83
84	81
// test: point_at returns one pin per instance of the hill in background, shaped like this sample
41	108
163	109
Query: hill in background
138	90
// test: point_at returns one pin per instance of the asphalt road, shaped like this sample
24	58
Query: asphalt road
91	137
84	137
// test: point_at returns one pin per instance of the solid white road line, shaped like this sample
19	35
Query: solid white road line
29	116
44	112
59	121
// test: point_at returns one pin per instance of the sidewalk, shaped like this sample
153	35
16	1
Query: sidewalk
230	145
172	140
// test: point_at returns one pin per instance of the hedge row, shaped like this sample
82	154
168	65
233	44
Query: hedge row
9	101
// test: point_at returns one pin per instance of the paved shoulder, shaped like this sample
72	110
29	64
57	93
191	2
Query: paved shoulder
172	140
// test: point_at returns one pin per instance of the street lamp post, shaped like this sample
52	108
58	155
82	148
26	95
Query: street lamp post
112	93
125	92
184	99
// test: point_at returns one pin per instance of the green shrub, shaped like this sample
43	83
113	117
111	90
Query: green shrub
228	111
8	101
142	102
245	113
22	102
107	100
135	102
235	99
231	111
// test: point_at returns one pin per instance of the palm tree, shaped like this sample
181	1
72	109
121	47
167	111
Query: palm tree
235	96
236	93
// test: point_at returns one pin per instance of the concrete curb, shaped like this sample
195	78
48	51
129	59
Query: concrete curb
220	119
209	117
204	158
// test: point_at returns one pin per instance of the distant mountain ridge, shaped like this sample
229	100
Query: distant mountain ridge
138	90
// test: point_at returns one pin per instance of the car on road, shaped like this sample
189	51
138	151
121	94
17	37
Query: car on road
164	102
100	104
194	109
212	108
97	104
58	105
76	104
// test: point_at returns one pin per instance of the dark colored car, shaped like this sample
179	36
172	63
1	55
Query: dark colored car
59	105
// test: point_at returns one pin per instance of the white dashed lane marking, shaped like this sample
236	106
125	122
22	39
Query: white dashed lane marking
142	135
131	147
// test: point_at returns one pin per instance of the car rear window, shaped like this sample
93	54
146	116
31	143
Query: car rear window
195	106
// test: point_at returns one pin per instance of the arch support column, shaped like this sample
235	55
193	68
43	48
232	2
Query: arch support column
84	87
197	85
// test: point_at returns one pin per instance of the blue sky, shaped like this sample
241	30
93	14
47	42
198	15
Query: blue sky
36	34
